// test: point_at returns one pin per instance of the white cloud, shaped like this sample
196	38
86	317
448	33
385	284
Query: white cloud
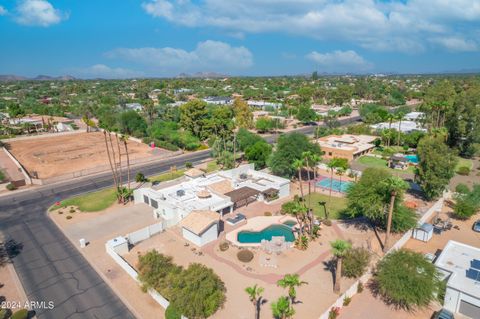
455	43
104	71
339	61
395	25
38	13
207	56
3	11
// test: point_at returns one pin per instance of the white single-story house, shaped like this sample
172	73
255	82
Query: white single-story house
200	227
460	266
264	104
134	106
414	116
218	100
220	192
403	126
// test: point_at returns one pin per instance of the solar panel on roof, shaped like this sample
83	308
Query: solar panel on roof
473	274
475	264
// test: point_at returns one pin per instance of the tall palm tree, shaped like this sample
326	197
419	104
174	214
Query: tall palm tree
339	249
291	281
298	165
282	309
110	159
390	118
315	160
124	139
120	177
400	118
340	172
332	165
307	157
393	185
256	298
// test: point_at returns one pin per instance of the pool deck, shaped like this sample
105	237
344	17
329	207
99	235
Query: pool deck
256	224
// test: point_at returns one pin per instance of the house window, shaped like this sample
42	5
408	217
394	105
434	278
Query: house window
145	199
153	203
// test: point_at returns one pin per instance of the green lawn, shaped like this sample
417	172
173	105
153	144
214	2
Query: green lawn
371	161
334	206
91	202
464	162
167	176
212	167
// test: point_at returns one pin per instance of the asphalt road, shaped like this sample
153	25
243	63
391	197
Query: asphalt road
49	266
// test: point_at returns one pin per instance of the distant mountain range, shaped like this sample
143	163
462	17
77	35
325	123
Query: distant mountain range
202	75
12	77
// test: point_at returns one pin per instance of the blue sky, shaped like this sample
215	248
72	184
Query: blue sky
135	38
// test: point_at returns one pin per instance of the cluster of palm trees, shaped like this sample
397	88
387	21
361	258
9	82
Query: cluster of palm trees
116	166
282	308
394	117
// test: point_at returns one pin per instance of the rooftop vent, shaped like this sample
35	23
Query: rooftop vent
180	193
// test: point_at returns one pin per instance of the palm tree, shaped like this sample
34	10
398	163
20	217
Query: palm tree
339	249
256	298
340	172
394	185
282	309
400	118
390	118
315	160
124	139
332	164
324	204
291	281
298	165
110	159
307	156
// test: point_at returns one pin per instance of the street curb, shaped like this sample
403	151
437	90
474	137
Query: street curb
100	273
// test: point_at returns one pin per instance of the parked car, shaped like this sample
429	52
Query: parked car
476	226
443	314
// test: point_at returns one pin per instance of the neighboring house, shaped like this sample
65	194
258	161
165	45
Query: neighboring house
322	109
404	126
134	106
220	192
460	266
263	104
219	100
346	146
414	116
182	91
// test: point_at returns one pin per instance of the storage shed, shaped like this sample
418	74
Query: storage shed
423	232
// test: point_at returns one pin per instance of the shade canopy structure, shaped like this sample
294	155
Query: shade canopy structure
243	196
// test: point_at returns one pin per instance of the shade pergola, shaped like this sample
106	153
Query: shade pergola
243	195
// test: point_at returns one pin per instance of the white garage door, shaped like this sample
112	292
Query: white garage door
469	310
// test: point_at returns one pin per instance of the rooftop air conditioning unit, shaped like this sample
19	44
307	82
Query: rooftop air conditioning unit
180	193
243	176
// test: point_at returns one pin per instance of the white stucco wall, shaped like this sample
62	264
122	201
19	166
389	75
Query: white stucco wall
284	190
453	298
208	236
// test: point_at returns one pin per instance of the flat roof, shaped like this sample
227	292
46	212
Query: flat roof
347	142
457	259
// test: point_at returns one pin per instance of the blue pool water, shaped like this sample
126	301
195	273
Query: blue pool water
267	233
412	158
336	185
290	223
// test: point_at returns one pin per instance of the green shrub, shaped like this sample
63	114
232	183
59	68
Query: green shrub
11	187
140	177
463	170
347	300
72	210
172	313
245	255
334	313
462	189
355	262
224	246
69	217
359	287
166	145
2	176
5	313
464	208
188	165
60	212
20	314
327	222
267	214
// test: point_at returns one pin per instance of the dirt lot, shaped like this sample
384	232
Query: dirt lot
59	155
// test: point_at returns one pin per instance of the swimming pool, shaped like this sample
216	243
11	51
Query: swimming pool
290	223
336	185
267	233
412	158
